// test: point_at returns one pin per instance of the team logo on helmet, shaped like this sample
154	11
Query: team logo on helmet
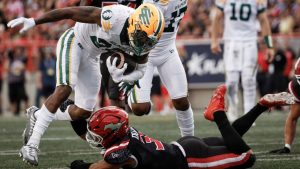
106	15
113	126
145	16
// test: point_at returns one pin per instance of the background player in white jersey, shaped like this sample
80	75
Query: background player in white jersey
165	57
240	46
110	28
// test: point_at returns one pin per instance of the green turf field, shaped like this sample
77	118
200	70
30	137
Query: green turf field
60	145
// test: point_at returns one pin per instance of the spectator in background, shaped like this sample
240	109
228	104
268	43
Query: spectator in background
46	73
286	25
16	79
277	81
262	71
290	59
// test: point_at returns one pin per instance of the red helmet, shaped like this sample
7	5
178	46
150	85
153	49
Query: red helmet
106	126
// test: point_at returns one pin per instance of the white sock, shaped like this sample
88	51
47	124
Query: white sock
185	120
288	146
43	118
59	115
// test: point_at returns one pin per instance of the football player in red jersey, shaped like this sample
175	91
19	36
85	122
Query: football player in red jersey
126	147
291	121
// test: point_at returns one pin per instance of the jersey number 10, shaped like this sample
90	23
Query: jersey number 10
245	12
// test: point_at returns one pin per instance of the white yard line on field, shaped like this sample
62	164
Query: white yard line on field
76	152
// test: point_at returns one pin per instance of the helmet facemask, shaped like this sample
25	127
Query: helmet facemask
94	140
140	42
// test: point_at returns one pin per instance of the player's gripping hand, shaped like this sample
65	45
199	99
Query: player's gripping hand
127	88
27	23
116	73
215	48
80	164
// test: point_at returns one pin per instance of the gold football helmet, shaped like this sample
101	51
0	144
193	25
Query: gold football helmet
146	25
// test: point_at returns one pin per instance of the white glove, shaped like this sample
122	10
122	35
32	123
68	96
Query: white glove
116	74
137	74
27	23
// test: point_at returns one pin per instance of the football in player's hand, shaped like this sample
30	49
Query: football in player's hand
120	59
123	58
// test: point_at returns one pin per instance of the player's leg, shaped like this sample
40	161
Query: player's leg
291	125
201	155
215	111
248	75
139	99
290	129
232	83
39	120
86	92
86	89
232	52
291	121
243	124
176	83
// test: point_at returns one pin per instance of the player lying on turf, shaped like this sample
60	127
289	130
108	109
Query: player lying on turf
97	30
128	148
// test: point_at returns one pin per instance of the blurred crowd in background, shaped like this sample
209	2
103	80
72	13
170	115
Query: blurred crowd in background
34	51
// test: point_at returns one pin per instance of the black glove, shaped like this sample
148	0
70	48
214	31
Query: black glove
127	88
283	150
80	164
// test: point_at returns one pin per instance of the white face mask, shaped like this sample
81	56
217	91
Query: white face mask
94	140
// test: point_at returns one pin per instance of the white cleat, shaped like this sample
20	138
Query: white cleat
278	99
30	123
29	153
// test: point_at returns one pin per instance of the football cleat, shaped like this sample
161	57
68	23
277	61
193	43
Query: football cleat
30	123
278	99
65	104
217	103
283	150
29	153
146	25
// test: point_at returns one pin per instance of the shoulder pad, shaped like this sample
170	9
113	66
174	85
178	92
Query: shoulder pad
117	154
113	15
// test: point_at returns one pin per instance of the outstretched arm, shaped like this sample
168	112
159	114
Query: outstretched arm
85	14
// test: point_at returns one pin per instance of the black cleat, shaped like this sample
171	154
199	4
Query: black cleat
283	150
65	104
